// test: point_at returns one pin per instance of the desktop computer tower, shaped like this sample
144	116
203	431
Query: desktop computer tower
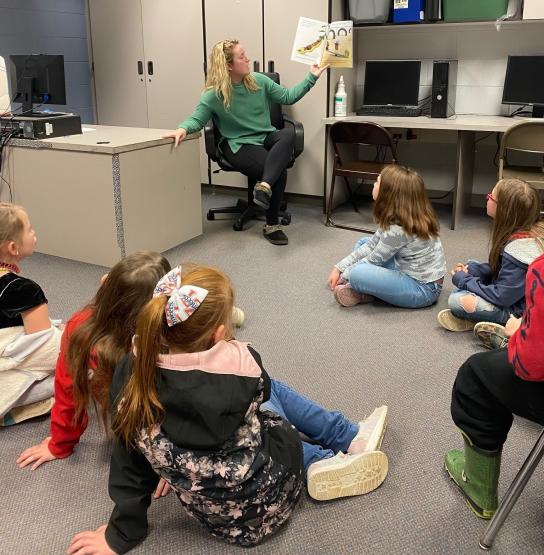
443	88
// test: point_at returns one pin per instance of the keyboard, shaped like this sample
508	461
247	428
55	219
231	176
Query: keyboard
387	110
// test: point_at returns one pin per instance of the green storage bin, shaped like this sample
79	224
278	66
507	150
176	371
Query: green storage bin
474	10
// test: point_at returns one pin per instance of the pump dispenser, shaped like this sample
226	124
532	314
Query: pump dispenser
340	100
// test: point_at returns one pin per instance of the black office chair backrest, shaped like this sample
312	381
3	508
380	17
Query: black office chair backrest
276	117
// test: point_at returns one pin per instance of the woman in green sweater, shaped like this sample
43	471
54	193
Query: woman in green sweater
238	101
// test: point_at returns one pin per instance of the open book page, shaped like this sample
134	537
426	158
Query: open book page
309	41
338	47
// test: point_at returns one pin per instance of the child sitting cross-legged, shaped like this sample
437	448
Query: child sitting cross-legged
403	263
493	291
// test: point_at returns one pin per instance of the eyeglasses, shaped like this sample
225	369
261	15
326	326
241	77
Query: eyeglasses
490	196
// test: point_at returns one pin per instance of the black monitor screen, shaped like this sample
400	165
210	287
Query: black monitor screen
524	81
40	76
392	82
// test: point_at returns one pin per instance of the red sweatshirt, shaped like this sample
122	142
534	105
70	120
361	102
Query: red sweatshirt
64	433
525	350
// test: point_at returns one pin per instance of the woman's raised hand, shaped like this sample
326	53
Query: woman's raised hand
316	70
178	135
38	454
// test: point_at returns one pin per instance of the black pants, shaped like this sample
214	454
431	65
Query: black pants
487	393
266	163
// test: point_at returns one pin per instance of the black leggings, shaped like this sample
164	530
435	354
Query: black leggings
266	163
487	393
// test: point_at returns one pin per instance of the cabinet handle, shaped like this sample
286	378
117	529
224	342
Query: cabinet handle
150	68
270	66
256	66
140	67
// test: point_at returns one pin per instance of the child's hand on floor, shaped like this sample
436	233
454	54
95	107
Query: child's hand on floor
163	489
90	543
38	454
334	277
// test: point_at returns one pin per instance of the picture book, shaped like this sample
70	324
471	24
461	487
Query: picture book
322	43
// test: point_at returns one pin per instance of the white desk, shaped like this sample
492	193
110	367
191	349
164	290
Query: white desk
465	126
98	196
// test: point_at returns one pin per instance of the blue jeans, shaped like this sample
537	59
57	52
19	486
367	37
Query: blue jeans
331	430
390	285
484	312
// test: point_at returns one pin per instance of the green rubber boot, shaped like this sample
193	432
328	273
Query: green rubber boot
476	474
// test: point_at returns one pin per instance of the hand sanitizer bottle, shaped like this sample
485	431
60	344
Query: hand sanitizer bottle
340	100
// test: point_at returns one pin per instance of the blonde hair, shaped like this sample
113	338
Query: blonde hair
12	224
402	200
218	73
518	211
141	404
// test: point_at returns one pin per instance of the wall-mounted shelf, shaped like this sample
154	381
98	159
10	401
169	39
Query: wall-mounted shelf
456	24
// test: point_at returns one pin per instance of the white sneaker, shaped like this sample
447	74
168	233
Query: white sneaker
344	475
371	432
238	317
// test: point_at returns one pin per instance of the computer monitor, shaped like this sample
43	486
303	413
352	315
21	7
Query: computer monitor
524	83
37	78
393	82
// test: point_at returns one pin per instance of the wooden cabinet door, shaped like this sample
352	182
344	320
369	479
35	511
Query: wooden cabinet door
117	51
174	59
241	20
280	25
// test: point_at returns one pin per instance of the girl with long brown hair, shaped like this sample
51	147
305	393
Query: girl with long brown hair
403	263
239	103
493	291
189	409
94	340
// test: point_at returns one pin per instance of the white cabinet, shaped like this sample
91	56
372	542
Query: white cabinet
148	60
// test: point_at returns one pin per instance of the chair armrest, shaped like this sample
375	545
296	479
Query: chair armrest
210	140
299	134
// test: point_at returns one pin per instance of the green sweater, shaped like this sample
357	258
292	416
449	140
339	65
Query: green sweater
248	119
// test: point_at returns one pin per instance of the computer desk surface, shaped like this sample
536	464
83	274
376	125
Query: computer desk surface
465	126
461	122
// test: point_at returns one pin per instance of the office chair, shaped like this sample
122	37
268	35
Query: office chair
358	134
246	208
513	493
524	137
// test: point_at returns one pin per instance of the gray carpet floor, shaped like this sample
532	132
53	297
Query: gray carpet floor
346	359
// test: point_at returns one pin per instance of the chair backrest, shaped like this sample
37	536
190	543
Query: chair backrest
527	136
361	133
